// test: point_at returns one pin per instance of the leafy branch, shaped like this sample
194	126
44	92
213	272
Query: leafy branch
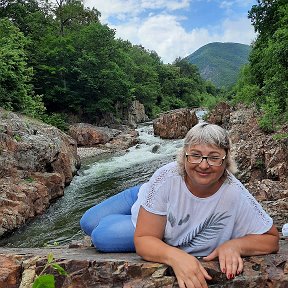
44	280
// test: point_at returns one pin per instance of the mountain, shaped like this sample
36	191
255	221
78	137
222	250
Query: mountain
220	62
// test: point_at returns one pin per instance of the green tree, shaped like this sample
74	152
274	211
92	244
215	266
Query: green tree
16	92
269	56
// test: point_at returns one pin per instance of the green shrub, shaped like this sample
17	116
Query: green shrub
56	119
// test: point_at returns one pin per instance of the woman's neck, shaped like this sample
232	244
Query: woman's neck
203	191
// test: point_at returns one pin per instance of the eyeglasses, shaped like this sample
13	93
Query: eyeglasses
195	158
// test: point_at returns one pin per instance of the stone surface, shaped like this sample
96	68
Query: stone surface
175	124
89	135
136	113
10	271
36	162
104	138
220	115
88	269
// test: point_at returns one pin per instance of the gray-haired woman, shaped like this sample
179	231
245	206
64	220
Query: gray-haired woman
193	207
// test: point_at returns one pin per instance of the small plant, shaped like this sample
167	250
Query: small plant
280	136
260	164
17	138
44	280
29	179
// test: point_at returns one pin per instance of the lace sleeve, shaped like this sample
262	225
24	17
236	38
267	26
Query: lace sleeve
157	190
251	217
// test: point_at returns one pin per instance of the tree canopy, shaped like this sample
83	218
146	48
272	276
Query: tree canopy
264	81
61	51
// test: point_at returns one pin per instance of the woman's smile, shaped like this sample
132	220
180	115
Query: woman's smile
202	179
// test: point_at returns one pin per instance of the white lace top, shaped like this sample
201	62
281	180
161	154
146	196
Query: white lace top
199	225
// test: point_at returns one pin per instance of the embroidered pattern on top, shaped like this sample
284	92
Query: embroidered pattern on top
159	179
205	231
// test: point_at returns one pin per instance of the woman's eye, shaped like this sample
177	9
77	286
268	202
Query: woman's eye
214	158
196	155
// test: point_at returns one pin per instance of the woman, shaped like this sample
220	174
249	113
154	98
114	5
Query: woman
194	207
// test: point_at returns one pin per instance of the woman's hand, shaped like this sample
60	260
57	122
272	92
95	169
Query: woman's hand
188	270
229	256
230	252
150	246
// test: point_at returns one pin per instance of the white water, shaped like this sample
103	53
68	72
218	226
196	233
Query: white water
136	155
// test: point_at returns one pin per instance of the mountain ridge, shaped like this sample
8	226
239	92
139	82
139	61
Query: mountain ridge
220	62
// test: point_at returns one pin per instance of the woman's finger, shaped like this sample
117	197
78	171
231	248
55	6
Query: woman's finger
205	273
240	266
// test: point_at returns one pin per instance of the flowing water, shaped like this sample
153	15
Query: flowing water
96	181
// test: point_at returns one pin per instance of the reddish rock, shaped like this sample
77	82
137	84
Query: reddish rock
88	135
36	162
10	272
220	115
175	124
262	160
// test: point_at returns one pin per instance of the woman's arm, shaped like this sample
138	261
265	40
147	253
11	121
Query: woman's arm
254	244
230	252
149	245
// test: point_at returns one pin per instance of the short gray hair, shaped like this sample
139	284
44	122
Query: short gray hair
209	134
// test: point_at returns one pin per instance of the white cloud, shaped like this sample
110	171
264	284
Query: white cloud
128	8
239	30
118	8
164	4
163	32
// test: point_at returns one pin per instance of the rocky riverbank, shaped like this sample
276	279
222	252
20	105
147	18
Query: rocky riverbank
37	161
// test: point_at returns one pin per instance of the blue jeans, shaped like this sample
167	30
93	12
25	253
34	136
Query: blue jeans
109	222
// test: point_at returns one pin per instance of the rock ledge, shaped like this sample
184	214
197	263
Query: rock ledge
87	268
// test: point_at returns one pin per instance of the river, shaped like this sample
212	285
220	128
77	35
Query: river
96	181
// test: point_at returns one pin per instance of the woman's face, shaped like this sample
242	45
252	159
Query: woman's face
202	179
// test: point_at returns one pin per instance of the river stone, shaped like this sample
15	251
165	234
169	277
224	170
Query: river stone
175	124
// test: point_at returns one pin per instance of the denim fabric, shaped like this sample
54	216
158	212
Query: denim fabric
109	222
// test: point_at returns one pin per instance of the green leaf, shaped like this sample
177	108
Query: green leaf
44	281
50	257
59	269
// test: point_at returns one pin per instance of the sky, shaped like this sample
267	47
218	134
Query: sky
177	28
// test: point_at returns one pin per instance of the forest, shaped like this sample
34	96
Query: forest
59	64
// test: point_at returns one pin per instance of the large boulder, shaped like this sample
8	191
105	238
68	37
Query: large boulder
89	135
220	115
104	138
175	124
136	113
36	162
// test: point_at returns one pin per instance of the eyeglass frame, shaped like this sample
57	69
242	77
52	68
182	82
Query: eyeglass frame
206	158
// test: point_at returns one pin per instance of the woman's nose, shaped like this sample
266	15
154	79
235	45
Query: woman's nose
204	164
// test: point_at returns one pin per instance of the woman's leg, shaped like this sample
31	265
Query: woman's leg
114	233
120	203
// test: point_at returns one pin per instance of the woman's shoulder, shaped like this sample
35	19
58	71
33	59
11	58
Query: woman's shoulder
239	188
235	183
169	169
